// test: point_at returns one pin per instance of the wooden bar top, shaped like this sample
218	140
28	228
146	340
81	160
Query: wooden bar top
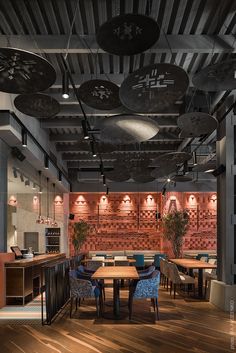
36	260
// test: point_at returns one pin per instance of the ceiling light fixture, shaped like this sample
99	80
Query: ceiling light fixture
101	169
34	186
59	175
46	162
40	220
22	177
194	156
168	180
24	138
47	220
27	183
107	193
93	149
54	223
104	180
14	172
65	85
85	129
163	191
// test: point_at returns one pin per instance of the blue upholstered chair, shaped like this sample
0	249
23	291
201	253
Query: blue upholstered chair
139	260
85	273
146	288
83	288
201	255
157	258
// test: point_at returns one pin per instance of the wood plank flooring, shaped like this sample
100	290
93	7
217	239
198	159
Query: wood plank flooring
185	326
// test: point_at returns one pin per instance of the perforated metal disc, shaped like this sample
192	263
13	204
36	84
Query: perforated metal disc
118	175
142	177
128	34
24	72
37	105
182	178
201	168
153	88
163	170
127	129
171	158
218	77
100	94
196	124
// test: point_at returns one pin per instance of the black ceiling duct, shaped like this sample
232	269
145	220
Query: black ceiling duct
17	154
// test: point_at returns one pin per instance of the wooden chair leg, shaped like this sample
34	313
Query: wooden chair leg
170	288
79	301
97	306
167	282
71	305
130	307
205	289
194	289
153	303
76	303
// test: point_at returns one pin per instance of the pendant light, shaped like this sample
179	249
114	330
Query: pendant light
47	220
40	220
54	223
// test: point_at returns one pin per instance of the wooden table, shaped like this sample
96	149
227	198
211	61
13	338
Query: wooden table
116	273
191	264
108	261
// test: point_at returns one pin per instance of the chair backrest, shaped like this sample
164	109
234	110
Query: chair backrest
139	260
98	258
116	258
157	258
103	255
211	271
80	288
94	265
147	272
201	255
162	265
174	273
148	288
203	258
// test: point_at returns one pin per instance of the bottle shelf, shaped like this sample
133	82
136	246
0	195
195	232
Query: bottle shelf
52	237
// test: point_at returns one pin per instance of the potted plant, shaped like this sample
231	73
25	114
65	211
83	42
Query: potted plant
175	226
80	233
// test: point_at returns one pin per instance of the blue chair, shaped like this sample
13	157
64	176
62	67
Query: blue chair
201	255
84	273
157	258
147	272
146	288
83	288
139	260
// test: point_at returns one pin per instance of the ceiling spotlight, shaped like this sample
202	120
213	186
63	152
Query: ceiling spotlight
65	85
14	172
40	190
85	129
168	180
163	191
185	168
93	149
27	183
194	156
107	193
24	138
22	177
34	186
59	175
104	180
101	169
46	161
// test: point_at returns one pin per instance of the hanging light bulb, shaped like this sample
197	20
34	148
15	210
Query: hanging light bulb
47	220
65	85
24	138
40	219
85	129
54	223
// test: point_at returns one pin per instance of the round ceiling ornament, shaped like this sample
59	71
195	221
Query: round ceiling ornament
195	124
100	94
217	77
127	129
153	88
181	178
118	175
128	34
37	105
171	159
23	72
163	171
142	176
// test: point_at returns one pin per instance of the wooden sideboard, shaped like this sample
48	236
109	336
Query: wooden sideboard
24	277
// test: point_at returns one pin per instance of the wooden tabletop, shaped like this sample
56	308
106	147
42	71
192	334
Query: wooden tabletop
116	272
36	260
107	260
192	263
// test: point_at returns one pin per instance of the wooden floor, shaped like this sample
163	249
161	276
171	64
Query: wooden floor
185	325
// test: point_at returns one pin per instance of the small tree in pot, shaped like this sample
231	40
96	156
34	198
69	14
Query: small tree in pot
175	226
79	236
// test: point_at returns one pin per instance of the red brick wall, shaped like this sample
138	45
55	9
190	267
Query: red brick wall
122	221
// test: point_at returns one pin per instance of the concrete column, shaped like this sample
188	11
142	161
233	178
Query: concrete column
223	291
4	150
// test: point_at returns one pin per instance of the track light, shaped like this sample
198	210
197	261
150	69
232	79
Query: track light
163	191
22	177
65	85
85	129
107	193
46	162
101	169
168	180
14	172
24	138
27	183
93	149
194	156
185	168
104	180
59	176
34	186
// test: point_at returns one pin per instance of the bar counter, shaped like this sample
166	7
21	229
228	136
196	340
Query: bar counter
25	278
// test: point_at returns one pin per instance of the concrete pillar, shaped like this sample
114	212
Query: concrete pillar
4	150
223	291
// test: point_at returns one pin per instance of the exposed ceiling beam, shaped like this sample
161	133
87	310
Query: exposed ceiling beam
111	156
162	121
185	43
